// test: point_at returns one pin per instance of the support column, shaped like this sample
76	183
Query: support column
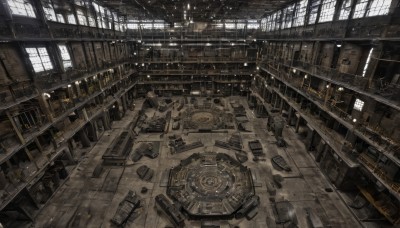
123	101
290	114
16	130
68	154
92	132
84	138
106	121
297	123
44	106
310	138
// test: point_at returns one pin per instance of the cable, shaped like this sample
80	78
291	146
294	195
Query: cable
387	60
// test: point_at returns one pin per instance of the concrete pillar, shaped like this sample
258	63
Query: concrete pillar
84	138
351	137
68	154
290	115
277	99
44	106
297	123
16	130
106	121
310	138
123	101
92	131
38	145
30	157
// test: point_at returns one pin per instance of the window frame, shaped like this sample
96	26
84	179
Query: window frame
43	62
17	11
327	11
378	10
358	105
314	8
64	52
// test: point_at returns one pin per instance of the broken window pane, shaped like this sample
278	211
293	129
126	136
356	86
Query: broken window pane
379	7
327	10
300	13
345	10
39	59
313	11
66	58
360	8
21	8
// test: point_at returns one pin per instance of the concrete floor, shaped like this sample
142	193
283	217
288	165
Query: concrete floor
84	201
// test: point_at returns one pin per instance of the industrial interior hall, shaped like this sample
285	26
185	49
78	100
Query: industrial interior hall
199	113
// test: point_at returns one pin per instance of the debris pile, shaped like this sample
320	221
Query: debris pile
180	146
145	149
127	209
256	148
145	173
234	143
280	163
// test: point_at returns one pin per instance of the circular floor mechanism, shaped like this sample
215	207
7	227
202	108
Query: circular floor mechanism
212	184
204	119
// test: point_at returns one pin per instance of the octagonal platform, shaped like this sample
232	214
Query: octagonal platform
202	118
210	184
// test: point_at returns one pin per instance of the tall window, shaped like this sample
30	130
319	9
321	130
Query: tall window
264	24
60	18
21	8
71	19
289	16
360	8
327	10
278	20
99	11
270	21
345	10
313	11
49	11
81	17
379	7
300	13
66	58
39	58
